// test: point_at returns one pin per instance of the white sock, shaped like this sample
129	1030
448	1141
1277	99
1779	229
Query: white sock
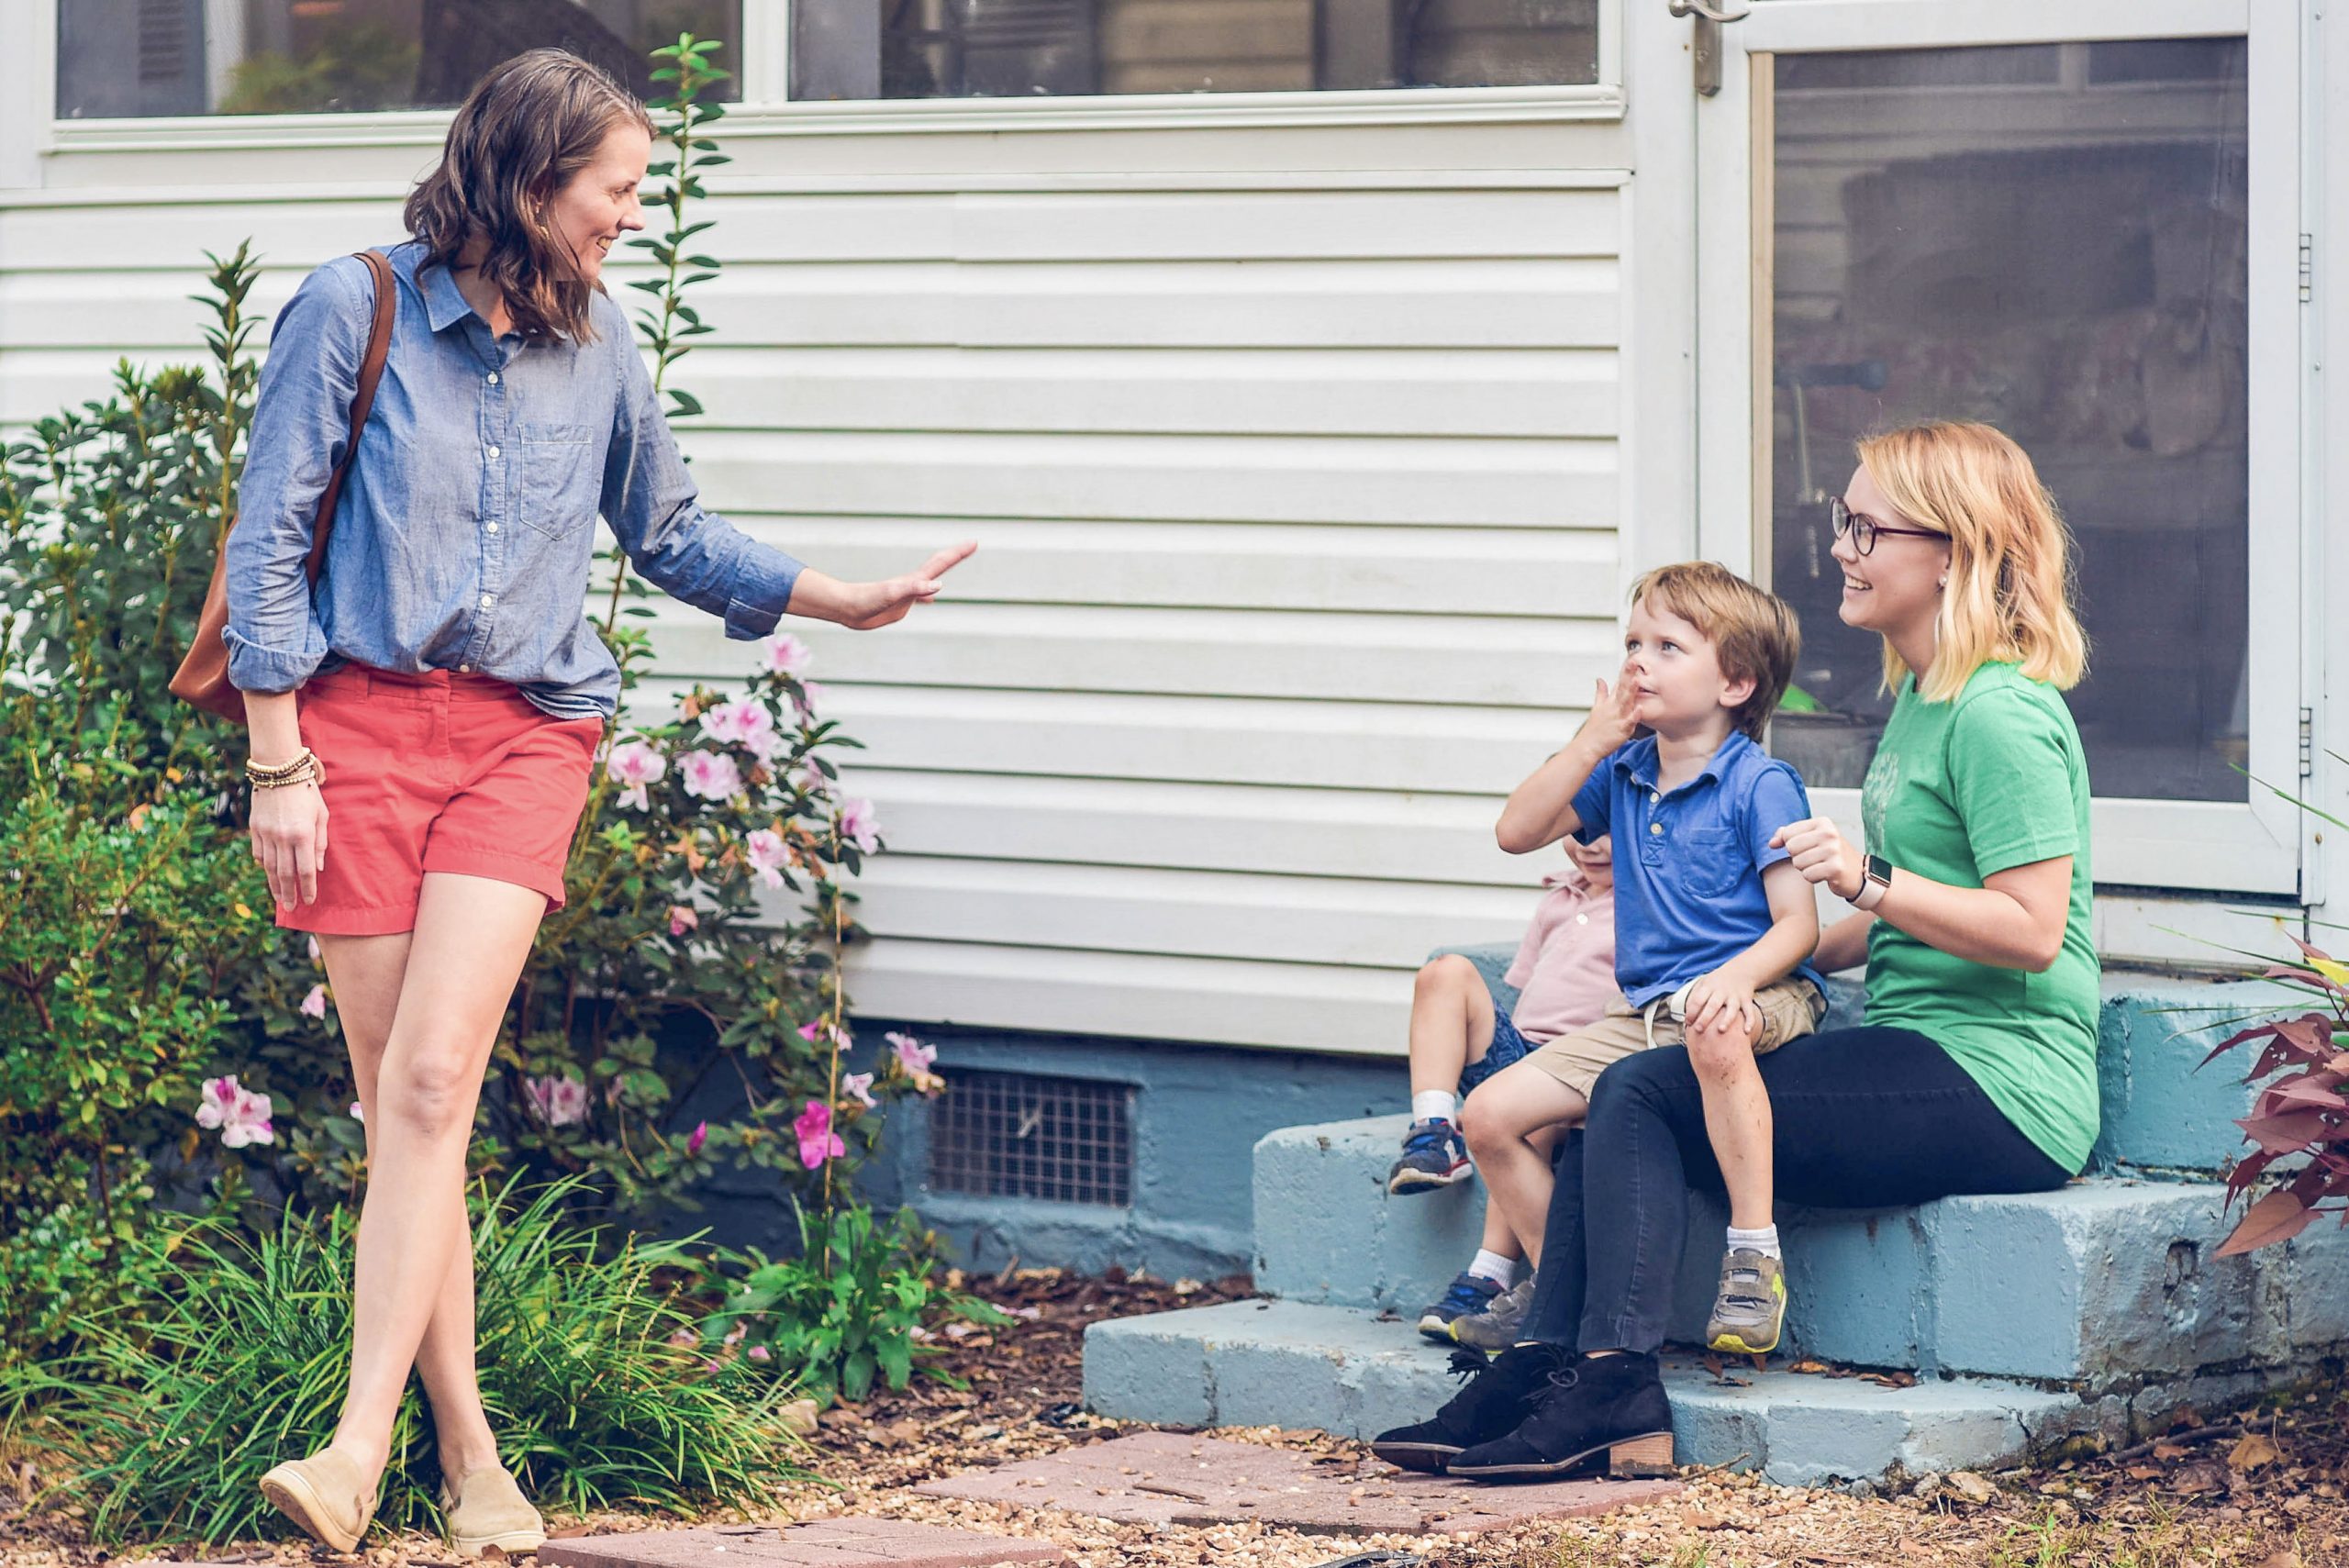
1764	1240
1434	1105
1493	1266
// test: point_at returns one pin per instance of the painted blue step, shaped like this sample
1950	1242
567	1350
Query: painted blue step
1342	1370
2108	1279
2159	1112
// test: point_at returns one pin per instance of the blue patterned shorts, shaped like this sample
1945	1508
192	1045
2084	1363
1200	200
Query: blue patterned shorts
1507	1048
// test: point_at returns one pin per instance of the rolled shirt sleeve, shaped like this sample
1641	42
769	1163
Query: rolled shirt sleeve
301	425
654	510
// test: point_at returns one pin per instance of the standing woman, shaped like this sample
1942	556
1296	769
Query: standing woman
433	711
1975	1070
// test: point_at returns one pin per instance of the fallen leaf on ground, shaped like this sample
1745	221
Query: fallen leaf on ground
2251	1450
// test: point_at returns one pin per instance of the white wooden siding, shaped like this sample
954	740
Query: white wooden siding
1298	496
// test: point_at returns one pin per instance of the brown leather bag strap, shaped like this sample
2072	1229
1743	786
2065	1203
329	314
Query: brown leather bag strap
370	373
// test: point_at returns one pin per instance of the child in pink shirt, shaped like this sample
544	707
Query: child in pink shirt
1565	971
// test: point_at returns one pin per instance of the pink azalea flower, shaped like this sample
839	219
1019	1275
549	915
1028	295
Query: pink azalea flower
786	655
817	1142
861	1085
710	775
745	723
860	825
768	855
915	1058
560	1102
912	1055
316	956
358	1111
819	1029
684	917
760	1353
241	1114
811	1029
696	1139
314	1006
635	765
805	698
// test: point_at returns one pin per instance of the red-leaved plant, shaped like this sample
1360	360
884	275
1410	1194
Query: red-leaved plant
2302	1112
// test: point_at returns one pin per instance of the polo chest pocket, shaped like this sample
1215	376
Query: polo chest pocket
1709	863
559	484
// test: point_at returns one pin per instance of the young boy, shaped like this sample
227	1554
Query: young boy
1565	973
1713	928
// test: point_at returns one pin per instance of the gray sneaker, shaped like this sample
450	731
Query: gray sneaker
1495	1328
1750	1307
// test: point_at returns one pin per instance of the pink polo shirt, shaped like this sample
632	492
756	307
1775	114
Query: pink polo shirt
1565	967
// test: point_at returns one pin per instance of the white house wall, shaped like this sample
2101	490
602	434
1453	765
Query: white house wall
1298	494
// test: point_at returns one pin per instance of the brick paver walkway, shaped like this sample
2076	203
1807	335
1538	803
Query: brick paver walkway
826	1543
1167	1478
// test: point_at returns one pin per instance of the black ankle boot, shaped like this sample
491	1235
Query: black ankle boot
1596	1405
1499	1396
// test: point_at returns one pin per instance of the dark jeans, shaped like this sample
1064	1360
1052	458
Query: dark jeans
1865	1119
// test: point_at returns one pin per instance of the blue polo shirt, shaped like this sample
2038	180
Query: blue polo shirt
1688	863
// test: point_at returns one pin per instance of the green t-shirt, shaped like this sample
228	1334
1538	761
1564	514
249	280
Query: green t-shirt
1960	791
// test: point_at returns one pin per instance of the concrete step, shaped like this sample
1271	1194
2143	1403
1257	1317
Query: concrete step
2159	1113
2108	1280
1344	1369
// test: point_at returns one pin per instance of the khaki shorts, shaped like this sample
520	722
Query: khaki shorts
1790	1009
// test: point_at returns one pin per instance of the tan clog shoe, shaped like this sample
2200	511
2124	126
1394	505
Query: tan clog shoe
484	1508
324	1494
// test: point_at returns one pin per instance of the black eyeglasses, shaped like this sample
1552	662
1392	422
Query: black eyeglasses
1865	530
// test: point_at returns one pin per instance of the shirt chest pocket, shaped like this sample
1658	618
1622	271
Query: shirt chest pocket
558	484
1707	863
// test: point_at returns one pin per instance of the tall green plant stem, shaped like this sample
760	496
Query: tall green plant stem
667	327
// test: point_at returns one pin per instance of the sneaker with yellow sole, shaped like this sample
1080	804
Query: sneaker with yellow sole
1750	1307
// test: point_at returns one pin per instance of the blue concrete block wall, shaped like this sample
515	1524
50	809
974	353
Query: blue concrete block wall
1199	1111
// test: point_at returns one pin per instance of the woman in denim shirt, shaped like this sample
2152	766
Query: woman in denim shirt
441	696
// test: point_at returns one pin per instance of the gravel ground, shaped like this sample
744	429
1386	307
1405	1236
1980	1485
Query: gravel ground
2262	1490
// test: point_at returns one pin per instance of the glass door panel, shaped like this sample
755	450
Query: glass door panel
2051	238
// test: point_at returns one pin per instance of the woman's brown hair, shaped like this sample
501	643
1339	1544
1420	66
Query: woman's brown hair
517	139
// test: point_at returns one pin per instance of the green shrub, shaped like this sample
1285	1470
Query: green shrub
855	1305
588	1370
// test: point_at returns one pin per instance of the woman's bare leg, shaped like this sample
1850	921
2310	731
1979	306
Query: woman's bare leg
366	973
1499	1120
472	934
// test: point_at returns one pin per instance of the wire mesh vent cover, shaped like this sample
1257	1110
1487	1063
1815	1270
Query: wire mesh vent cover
1023	1135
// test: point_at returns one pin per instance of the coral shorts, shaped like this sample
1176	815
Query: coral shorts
441	771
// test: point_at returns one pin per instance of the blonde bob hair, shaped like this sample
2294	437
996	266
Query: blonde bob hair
2010	595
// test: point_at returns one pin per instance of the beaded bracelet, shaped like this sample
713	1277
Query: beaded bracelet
304	768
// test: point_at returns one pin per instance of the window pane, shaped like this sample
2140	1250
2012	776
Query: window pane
2066	260
239	57
988	49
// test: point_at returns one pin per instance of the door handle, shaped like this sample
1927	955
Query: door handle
1705	45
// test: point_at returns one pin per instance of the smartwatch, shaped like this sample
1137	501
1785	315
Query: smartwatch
1876	875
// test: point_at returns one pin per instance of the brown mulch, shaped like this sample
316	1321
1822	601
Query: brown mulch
2259	1488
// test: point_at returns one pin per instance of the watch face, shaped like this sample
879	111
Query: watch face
1879	869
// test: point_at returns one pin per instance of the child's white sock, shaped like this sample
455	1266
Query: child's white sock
1493	1266
1764	1240
1434	1105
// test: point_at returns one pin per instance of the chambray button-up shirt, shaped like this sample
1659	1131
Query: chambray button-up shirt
466	527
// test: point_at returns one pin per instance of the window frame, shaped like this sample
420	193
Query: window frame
765	108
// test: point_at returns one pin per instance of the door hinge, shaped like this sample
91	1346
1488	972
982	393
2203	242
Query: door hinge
2308	267
2308	742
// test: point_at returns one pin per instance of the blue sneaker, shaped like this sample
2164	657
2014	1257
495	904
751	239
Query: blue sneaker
1469	1294
1434	1155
